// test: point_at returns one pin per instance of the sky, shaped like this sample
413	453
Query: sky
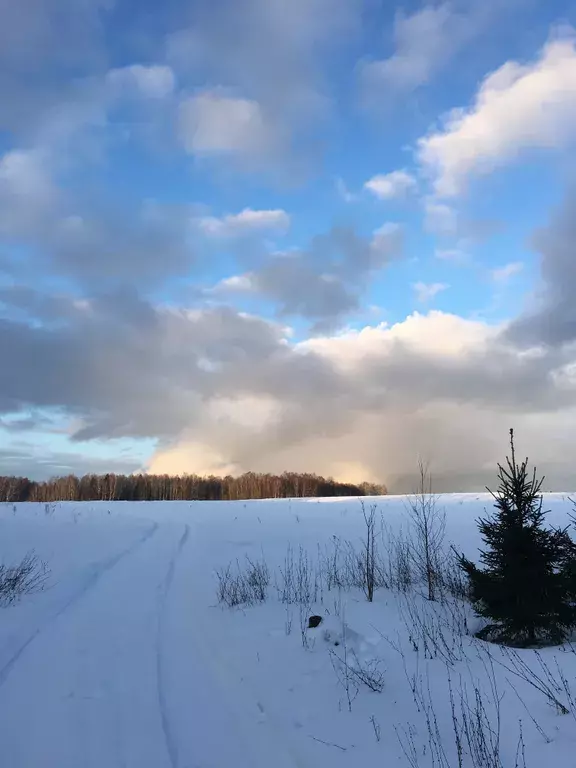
334	236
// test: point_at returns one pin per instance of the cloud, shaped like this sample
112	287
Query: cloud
238	391
424	41
427	40
62	227
235	284
397	184
322	283
171	361
434	385
440	219
23	174
272	57
110	247
95	244
152	82
298	289
245	222
33	29
425	292
28	196
66	230
45	49
78	353
274	51
213	123
517	107
550	317
503	274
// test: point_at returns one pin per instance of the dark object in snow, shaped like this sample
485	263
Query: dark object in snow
314	621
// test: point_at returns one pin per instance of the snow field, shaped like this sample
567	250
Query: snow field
127	659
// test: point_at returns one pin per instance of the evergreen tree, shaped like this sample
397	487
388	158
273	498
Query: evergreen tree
525	587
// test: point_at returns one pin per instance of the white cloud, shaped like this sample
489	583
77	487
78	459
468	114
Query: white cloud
213	123
518	107
503	274
425	292
440	218
387	186
234	284
434	385
152	82
245	222
435	333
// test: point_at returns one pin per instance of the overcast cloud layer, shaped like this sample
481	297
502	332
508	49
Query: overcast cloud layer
212	261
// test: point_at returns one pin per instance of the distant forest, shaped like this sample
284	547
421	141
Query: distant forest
112	487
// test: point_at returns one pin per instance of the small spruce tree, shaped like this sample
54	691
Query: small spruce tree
525	588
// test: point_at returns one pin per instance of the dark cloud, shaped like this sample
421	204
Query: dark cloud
139	247
34	30
270	48
45	45
324	282
27	423
298	289
124	368
97	247
552	318
24	302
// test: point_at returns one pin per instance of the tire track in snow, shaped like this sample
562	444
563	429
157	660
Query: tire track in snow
98	570
171	747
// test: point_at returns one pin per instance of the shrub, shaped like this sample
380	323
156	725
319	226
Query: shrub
28	576
243	586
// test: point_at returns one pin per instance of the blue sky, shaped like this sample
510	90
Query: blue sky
261	234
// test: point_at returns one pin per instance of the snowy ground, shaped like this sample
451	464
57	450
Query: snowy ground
127	661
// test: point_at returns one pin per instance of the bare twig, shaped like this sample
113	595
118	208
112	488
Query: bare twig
329	743
376	727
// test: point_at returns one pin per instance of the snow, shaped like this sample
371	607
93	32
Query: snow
126	660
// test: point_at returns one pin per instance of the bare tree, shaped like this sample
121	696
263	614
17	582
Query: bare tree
428	528
370	553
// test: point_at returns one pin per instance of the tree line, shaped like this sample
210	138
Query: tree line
143	487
